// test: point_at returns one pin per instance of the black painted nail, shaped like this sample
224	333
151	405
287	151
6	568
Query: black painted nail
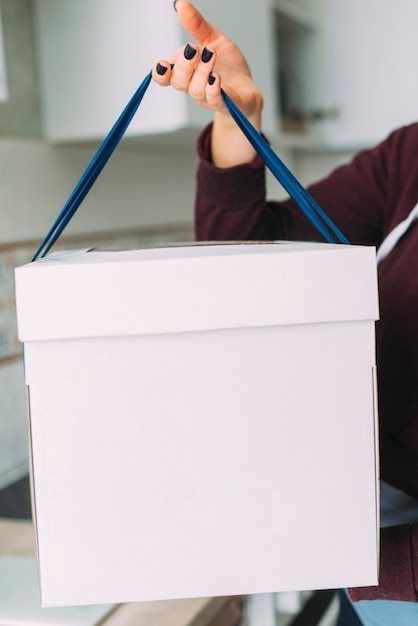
189	52
211	79
161	69
174	5
206	55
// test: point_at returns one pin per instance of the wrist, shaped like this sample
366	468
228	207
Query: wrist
229	146
226	122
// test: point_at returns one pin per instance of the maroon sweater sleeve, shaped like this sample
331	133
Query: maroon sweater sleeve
398	578
231	203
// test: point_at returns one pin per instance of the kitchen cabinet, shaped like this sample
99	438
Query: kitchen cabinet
19	101
94	53
334	74
373	68
347	71
3	80
92	56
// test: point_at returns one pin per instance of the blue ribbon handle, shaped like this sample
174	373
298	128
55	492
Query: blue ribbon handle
93	169
296	191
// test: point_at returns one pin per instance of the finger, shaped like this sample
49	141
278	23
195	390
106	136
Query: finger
214	97
161	73
184	67
203	69
194	22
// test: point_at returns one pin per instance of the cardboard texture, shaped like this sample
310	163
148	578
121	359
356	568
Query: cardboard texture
202	420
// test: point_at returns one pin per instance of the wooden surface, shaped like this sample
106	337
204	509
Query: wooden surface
17	538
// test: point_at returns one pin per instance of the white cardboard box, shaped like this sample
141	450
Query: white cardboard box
202	420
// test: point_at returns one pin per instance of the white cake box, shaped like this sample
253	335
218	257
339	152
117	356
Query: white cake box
202	420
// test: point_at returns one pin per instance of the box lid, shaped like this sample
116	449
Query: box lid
91	293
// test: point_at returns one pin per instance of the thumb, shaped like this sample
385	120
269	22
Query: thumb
202	31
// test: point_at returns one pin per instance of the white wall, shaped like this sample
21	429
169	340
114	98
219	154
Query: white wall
137	188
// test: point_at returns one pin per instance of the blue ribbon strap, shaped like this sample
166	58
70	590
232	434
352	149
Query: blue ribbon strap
290	183
296	191
93	169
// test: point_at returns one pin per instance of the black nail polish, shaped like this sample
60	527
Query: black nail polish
211	79
206	55
161	69
174	5
189	52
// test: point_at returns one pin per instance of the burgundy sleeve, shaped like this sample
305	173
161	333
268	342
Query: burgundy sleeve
231	203
398	578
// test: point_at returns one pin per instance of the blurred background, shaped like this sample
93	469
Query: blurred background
337	77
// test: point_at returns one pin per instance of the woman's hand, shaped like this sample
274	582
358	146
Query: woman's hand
200	70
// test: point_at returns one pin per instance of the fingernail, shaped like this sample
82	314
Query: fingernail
161	69
206	55
211	79
174	5
189	52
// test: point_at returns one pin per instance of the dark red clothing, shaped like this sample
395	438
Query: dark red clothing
366	199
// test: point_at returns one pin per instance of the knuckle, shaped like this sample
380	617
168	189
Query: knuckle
179	85
196	93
